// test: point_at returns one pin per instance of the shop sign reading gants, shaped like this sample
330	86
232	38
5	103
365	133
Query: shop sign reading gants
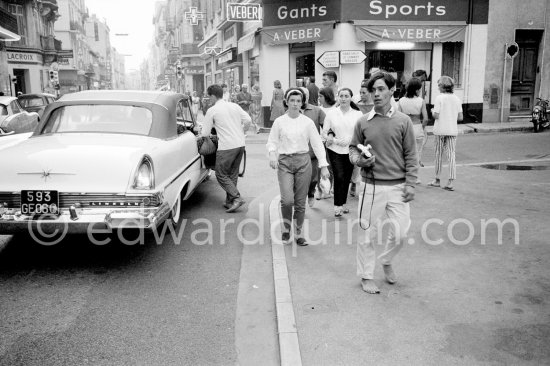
278	13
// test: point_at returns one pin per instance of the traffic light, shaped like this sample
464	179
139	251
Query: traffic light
52	75
56	77
179	70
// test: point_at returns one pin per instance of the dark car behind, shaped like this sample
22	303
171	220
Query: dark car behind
36	102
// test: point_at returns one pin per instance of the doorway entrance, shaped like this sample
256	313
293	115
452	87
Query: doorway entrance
524	72
19	83
302	62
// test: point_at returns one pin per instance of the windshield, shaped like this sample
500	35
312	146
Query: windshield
31	102
124	119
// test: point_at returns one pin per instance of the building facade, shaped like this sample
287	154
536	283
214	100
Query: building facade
512	84
76	72
351	37
223	64
30	58
465	39
87	61
8	34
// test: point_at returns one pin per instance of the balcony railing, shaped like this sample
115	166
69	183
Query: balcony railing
76	26
49	43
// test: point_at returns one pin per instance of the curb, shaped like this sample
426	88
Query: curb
479	128
289	347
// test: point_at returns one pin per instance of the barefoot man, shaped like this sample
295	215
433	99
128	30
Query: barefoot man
390	177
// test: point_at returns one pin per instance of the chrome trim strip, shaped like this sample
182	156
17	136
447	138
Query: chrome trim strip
189	165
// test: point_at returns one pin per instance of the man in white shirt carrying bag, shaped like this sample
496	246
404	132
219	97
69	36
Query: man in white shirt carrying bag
230	122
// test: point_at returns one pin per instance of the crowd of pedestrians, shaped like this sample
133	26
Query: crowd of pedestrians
325	134
332	135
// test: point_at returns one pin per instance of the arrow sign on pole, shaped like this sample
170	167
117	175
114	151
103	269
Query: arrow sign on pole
329	59
352	57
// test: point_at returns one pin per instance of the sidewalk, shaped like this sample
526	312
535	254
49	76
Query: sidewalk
462	129
464	301
490	127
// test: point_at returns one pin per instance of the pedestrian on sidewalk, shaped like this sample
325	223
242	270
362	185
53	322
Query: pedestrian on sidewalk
415	107
390	177
338	131
447	111
313	91
289	153
230	122
236	91
365	105
226	94
256	107
318	117
244	98
327	102
329	81
277	109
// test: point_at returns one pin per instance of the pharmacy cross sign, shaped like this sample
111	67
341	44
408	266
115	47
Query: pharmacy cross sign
194	15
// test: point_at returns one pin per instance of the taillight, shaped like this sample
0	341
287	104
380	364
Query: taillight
145	175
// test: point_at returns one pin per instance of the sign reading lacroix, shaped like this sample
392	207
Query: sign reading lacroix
15	57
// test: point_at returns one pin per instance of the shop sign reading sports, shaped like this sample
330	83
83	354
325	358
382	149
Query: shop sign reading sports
407	10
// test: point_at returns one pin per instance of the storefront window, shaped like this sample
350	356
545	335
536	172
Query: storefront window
401	63
452	54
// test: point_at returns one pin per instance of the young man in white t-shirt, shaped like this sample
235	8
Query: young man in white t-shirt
447	111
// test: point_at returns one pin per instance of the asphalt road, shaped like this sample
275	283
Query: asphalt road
173	303
181	302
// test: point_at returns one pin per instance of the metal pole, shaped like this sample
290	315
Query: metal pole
503	81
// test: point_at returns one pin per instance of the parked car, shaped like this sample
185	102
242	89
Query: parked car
36	102
14	119
112	159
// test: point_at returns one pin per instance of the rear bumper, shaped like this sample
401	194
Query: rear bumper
86	220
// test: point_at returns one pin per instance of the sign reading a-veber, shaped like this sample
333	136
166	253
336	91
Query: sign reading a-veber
329	59
352	57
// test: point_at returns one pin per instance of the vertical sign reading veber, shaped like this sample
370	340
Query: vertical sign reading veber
238	12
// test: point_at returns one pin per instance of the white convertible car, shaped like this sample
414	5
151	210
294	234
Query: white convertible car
102	159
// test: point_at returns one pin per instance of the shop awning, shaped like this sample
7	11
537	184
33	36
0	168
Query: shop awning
410	33
7	36
246	42
310	32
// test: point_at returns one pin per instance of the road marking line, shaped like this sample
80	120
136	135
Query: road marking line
289	347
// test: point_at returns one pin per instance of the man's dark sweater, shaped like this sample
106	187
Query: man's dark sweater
393	143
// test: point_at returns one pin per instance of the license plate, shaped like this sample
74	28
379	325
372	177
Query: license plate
39	202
